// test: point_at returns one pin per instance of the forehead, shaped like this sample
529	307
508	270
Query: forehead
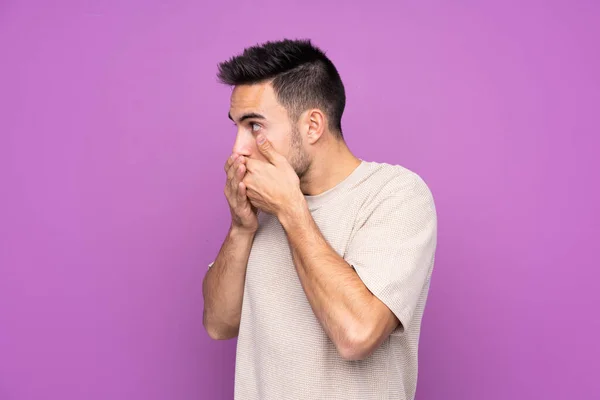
259	98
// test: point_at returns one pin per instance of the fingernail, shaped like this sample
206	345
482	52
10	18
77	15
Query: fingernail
260	139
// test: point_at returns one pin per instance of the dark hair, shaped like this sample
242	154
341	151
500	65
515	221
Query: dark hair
302	77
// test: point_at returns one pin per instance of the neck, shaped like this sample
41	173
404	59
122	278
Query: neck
332	163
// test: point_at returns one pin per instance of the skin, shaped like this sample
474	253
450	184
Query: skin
273	165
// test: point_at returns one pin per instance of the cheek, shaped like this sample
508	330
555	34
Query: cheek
281	145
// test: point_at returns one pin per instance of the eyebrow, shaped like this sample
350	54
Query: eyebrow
247	116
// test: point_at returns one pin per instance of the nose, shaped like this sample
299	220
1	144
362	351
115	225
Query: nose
244	142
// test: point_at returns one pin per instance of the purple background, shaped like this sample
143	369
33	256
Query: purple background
113	133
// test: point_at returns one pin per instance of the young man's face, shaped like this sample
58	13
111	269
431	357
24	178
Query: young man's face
255	109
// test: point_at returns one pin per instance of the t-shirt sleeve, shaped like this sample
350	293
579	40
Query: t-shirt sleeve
394	248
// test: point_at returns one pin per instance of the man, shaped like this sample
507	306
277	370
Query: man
325	270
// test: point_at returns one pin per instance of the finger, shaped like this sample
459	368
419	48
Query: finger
230	173
251	193
239	172
241	193
266	149
248	181
254	165
251	165
230	161
253	199
232	169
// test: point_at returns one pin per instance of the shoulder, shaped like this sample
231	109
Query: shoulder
395	183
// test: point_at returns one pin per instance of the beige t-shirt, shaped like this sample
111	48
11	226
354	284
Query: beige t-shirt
381	219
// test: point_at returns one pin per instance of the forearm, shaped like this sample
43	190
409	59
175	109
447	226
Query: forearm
223	286
339	299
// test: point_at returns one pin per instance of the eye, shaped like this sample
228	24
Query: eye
255	127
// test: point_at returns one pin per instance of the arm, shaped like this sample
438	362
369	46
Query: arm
354	319
223	286
361	302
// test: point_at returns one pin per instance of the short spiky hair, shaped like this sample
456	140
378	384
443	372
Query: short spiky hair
301	74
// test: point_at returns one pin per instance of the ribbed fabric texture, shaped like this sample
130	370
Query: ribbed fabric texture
382	220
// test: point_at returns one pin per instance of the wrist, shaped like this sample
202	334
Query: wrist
236	232
294	213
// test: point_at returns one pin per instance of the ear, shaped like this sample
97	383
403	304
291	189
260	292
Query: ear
316	124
